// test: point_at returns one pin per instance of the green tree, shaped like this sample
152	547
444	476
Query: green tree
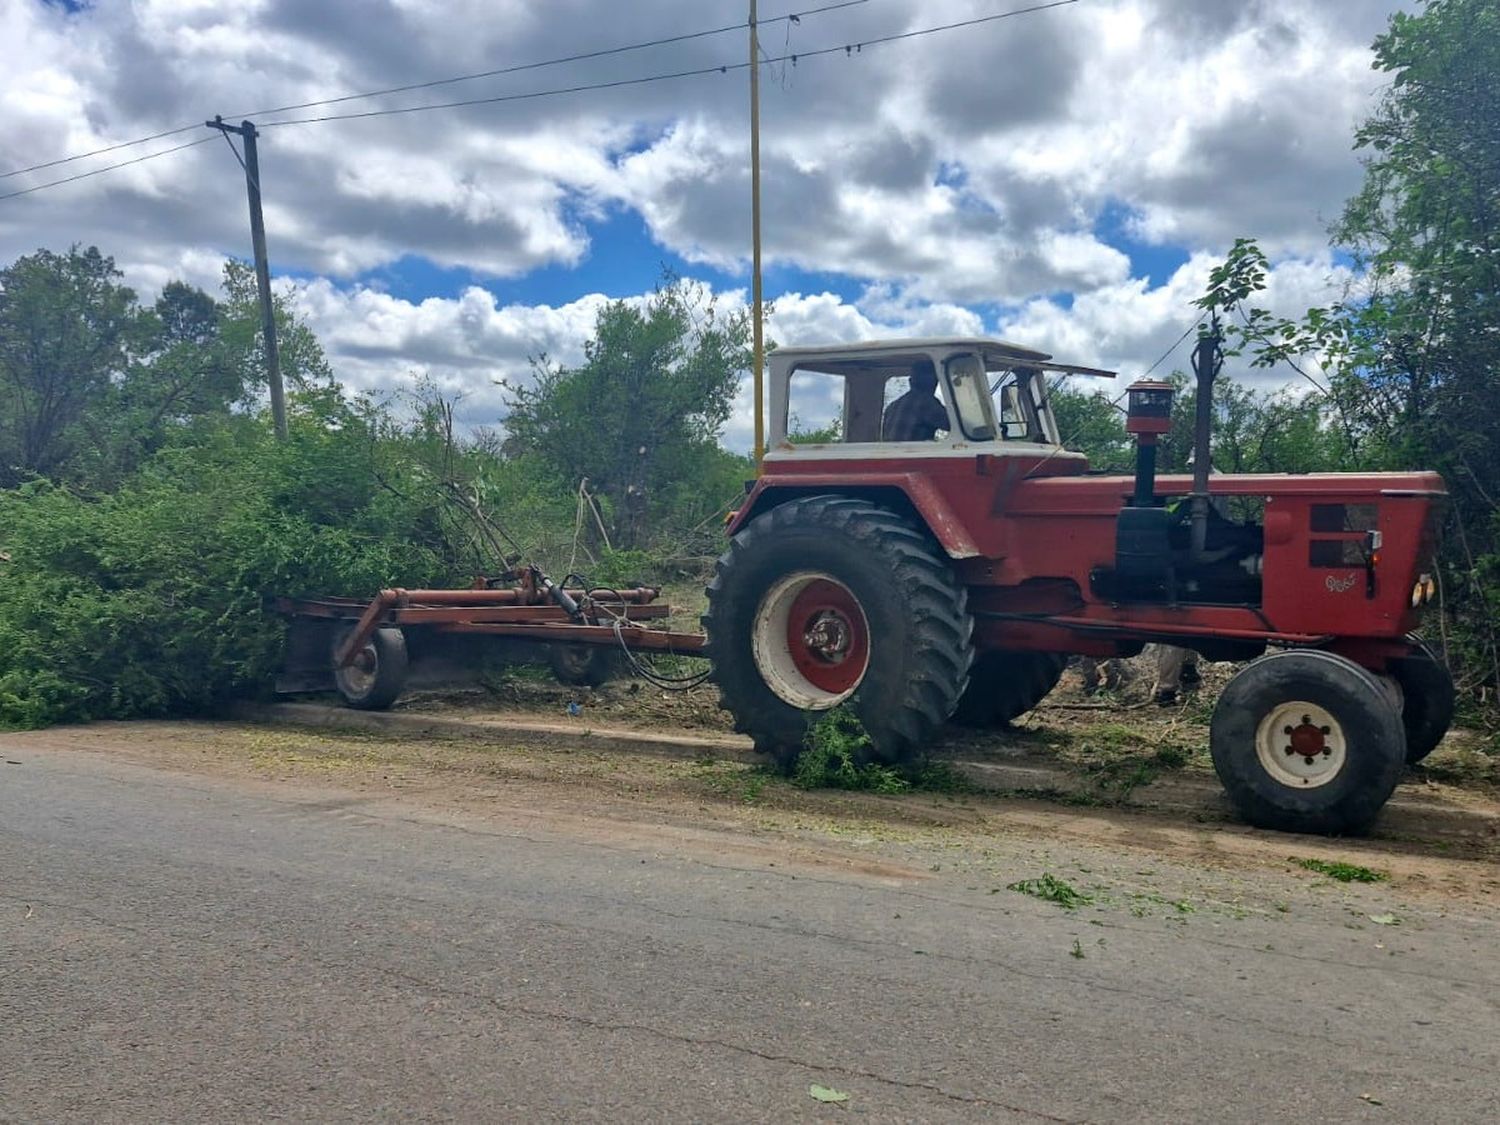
68	329
91	383
1092	424
640	417
1412	359
1253	431
303	362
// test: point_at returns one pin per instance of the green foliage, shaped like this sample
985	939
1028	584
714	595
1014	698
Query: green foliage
1052	889
92	383
638	421
1283	431
800	434
1410	361
1343	872
148	511
69	335
827	1094
300	355
624	568
1093	425
830	758
148	601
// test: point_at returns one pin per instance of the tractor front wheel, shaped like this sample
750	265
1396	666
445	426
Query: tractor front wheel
1307	741
828	600
1428	699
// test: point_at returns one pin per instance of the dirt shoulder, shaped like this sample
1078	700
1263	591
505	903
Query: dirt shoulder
1116	737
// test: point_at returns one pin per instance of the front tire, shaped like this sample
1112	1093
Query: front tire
828	600
1307	741
1428	699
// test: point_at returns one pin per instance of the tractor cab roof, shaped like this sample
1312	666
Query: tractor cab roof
866	356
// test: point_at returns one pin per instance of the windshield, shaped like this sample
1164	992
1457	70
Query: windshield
1021	405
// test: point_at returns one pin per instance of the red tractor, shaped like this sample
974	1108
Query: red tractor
938	556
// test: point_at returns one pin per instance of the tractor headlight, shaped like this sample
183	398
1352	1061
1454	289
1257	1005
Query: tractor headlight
1424	591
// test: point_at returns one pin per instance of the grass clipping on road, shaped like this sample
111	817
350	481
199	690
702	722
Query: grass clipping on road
830	759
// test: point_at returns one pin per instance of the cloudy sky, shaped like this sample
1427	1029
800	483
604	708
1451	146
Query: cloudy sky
1063	178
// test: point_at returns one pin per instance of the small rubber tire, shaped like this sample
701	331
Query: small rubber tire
1005	684
1365	743
1429	699
585	665
914	636
375	681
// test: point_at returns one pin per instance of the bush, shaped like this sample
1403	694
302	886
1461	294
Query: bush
148	601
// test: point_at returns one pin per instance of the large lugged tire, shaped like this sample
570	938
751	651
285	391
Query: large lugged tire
1307	742
1004	685
1428	700
828	599
375	679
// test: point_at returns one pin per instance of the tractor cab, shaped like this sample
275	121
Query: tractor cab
920	398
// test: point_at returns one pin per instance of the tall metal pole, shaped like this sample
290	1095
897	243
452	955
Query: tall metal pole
755	290
247	132
1207	359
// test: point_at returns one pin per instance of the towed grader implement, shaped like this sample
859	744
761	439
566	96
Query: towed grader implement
370	651
920	582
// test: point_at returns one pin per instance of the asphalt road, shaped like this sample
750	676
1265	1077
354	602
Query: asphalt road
180	947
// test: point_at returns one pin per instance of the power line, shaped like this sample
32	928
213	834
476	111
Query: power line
95	152
724	68
849	49
107	168
789	18
1169	351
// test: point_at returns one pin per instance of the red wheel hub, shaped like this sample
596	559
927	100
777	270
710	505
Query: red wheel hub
1306	740
827	636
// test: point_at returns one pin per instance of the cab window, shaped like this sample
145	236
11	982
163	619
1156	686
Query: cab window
970	388
1019	404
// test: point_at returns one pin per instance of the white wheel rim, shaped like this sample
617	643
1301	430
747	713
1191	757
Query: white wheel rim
1301	745
771	643
359	677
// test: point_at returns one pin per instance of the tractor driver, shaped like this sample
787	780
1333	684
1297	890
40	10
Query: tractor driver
918	414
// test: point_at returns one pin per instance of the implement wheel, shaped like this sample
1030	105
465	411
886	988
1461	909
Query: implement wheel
375	679
1428	699
828	600
1307	742
585	665
1005	685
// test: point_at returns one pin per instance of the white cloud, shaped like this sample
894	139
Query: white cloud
946	176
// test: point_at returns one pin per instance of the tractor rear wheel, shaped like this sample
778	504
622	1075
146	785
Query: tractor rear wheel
1004	685
1428	699
1307	741
375	679
828	600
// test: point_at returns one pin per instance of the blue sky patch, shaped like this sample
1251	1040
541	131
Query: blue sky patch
1154	260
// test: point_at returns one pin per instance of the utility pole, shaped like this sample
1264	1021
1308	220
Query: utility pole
755	290
251	164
